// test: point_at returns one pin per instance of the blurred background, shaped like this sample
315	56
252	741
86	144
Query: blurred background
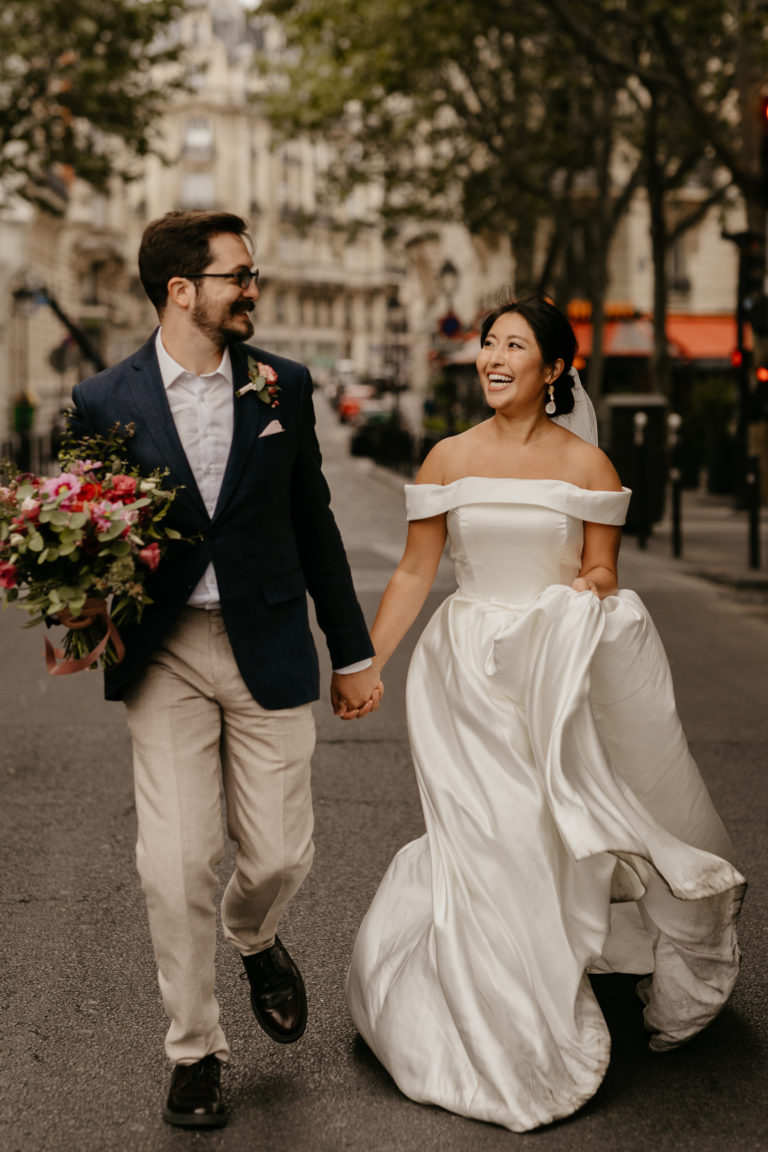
404	165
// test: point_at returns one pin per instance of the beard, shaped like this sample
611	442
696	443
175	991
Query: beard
227	324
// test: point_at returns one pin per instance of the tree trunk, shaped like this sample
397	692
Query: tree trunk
661	366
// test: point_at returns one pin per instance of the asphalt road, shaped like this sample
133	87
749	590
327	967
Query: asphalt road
83	1028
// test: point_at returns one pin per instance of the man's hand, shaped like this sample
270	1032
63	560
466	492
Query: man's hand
356	694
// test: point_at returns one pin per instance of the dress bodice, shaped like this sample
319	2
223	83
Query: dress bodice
511	538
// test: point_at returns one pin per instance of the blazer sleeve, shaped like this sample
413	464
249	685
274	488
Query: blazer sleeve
321	551
78	421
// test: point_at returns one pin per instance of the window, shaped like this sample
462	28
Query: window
198	190
677	268
198	136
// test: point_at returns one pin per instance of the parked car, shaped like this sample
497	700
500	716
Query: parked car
353	399
384	437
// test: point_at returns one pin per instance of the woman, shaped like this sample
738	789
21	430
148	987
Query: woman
553	772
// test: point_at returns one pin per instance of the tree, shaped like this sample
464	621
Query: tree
485	115
80	89
703	66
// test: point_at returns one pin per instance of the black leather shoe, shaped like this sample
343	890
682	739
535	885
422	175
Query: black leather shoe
278	998
194	1099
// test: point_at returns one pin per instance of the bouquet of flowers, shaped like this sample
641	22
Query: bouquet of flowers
69	542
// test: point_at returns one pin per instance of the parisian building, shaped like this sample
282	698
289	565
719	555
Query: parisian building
336	294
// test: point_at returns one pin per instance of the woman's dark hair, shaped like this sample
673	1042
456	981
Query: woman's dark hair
177	244
554	336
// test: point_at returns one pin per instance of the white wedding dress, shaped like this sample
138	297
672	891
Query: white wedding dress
554	779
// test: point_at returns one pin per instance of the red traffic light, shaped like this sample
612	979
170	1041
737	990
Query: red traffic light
736	358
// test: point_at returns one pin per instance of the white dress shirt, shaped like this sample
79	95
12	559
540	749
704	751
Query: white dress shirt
203	412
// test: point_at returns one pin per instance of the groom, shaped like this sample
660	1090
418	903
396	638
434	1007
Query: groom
220	671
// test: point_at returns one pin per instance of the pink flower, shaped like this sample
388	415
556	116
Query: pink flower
65	485
101	514
150	556
7	574
121	487
80	467
268	372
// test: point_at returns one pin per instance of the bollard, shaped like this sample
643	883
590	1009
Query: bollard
752	481
640	420
674	420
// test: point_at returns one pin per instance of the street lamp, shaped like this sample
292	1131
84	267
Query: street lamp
396	326
449	281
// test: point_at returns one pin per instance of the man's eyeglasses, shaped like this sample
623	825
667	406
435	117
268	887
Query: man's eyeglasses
242	278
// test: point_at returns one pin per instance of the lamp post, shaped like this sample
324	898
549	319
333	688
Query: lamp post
449	281
674	420
449	326
396	327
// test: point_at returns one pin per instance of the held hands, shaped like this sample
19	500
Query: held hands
356	694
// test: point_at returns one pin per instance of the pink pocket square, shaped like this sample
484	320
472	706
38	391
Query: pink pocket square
271	428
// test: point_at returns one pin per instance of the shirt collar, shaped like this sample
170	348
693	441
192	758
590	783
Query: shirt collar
170	370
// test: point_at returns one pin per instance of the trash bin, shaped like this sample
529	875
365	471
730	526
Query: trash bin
641	466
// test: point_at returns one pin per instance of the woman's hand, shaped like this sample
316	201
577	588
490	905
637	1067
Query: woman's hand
582	584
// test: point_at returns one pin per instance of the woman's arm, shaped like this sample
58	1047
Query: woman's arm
600	554
407	590
599	560
411	581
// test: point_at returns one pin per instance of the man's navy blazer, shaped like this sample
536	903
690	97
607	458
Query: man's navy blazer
272	536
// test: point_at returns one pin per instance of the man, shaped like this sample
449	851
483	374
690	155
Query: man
220	671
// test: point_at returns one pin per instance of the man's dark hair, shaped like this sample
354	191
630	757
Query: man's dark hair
177	243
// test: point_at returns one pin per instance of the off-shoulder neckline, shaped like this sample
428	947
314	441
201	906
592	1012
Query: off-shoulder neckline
526	480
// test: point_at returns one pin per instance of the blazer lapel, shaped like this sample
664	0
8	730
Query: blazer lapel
150	399
250	417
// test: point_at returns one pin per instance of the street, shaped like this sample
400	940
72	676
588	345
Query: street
82	1041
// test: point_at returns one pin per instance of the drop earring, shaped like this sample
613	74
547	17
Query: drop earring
550	407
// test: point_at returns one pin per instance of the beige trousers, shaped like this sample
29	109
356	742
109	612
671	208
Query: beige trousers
196	728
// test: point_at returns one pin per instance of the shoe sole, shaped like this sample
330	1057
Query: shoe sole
190	1120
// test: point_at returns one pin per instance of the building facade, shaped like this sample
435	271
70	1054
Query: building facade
335	292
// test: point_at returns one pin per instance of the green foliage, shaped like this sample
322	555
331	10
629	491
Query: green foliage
80	88
710	57
502	113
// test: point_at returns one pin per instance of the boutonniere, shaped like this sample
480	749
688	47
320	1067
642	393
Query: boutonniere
263	381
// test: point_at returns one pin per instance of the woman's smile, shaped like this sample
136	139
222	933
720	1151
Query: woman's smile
510	365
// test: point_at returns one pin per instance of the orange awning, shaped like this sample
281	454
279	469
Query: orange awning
710	337
689	337
630	337
704	337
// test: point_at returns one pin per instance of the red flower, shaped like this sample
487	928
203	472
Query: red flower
90	491
7	574
150	556
121	487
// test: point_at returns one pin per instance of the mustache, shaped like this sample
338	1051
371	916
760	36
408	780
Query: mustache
243	306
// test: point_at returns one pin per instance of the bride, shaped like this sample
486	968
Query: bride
567	828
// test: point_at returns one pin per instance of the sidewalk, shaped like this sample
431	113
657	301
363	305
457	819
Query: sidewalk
715	541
